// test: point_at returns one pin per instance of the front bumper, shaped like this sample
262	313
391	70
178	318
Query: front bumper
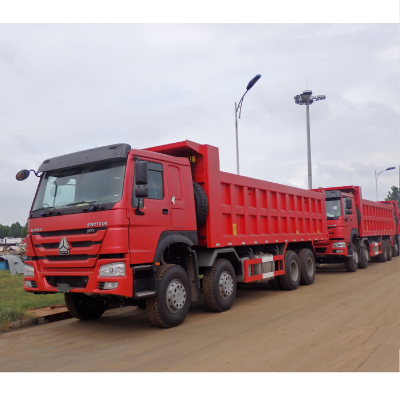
79	279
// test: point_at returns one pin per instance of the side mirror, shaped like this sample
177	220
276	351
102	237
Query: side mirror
349	212
141	172
142	192
22	175
349	204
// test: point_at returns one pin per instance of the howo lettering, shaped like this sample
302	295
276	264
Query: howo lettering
163	227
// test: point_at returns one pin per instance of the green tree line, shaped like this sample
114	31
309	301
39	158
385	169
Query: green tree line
14	230
393	194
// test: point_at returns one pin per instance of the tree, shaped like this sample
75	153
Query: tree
24	230
15	230
393	194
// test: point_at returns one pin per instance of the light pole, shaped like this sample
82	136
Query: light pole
307	99
376	179
239	108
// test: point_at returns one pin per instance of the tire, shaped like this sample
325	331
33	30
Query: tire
201	204
291	279
219	286
363	257
171	304
85	307
351	263
388	250
307	267
395	249
383	256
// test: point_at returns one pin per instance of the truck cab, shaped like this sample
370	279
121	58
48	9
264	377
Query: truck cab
342	220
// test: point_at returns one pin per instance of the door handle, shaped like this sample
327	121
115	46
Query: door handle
165	211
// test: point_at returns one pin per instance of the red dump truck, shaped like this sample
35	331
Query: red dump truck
162	227
359	229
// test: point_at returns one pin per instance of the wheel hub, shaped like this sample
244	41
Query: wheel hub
176	296
225	285
294	270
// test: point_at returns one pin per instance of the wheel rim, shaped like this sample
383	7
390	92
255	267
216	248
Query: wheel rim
176	296
225	285
355	257
309	266
294	271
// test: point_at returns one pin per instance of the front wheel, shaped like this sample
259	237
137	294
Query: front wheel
171	304
351	262
219	286
85	307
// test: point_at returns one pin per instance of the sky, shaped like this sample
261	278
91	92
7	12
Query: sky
71	87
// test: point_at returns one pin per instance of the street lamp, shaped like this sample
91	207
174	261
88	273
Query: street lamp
239	108
376	179
307	99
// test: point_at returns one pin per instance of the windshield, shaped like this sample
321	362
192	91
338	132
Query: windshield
333	209
97	183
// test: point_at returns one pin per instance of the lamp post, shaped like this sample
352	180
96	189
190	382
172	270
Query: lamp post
376	179
307	99
239	108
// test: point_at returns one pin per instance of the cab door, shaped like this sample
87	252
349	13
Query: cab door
145	230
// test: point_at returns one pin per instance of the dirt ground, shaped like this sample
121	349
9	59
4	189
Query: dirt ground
343	322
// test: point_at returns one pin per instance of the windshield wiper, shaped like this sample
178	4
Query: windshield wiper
43	208
81	202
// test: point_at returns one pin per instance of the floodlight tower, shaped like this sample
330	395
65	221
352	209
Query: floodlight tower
306	98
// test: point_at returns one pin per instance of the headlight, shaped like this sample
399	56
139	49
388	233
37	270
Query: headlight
28	270
339	244
113	269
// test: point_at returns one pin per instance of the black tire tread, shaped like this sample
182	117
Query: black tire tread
283	279
361	263
208	292
388	250
304	280
152	304
351	266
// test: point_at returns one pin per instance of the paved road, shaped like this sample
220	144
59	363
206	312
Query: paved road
343	322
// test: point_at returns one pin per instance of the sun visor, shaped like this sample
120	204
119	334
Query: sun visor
109	152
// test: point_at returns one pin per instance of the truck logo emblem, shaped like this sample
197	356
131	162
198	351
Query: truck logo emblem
63	247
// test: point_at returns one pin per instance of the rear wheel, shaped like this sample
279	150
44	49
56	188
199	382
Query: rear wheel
388	250
363	259
395	249
85	307
307	266
351	262
291	279
171	304
383	256
219	286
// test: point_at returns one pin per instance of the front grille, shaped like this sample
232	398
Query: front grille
78	257
49	246
100	285
72	281
70	232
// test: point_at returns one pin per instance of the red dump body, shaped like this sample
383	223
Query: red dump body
247	211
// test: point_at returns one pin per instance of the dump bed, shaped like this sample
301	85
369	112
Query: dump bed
247	211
